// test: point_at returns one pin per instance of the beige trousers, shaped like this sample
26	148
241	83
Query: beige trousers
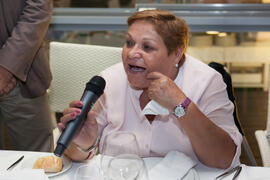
27	121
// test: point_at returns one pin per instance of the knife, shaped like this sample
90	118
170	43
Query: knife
16	162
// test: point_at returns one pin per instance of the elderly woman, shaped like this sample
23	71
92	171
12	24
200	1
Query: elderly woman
155	67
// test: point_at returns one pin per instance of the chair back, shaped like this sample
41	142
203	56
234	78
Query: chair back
72	66
228	81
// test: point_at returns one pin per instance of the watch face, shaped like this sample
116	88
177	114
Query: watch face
179	111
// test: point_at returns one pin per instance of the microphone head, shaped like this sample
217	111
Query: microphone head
96	84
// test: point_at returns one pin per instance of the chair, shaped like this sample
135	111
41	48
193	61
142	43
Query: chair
263	139
72	66
263	142
227	79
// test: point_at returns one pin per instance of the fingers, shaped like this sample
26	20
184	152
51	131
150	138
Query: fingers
65	119
76	103
9	86
14	80
91	119
158	83
69	114
72	112
154	75
60	126
74	106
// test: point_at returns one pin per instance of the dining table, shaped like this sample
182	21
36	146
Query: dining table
204	172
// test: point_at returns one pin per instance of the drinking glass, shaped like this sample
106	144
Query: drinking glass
86	172
127	167
115	144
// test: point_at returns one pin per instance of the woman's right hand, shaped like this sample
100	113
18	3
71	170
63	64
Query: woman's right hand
88	133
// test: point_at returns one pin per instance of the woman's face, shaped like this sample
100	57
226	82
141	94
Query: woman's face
145	52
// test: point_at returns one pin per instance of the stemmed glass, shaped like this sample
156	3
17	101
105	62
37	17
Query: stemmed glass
86	172
127	167
120	148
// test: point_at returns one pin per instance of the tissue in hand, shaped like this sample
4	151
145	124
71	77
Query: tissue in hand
154	108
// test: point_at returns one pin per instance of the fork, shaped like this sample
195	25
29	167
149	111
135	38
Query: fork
238	169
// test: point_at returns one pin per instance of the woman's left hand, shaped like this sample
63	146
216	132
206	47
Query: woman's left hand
164	91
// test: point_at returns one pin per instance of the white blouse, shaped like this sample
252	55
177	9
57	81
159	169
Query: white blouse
119	110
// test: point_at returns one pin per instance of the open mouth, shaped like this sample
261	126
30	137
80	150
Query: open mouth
136	68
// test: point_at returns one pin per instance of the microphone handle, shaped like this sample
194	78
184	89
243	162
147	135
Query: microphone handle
89	98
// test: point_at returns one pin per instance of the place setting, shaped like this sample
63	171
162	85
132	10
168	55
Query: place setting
32	165
119	159
52	167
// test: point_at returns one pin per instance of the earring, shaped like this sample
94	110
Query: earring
176	65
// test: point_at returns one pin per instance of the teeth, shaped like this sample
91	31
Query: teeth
137	69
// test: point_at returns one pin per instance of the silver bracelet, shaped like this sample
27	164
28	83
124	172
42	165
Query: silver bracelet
92	148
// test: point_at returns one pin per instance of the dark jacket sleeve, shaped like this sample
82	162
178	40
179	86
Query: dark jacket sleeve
19	50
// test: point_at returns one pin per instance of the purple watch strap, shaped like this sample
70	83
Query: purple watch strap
186	102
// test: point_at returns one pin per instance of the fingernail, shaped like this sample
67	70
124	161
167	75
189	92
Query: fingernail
78	111
80	103
72	114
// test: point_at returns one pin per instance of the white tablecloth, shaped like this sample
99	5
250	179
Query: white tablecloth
204	172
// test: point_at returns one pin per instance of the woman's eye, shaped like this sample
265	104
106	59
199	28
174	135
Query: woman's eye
147	47
129	43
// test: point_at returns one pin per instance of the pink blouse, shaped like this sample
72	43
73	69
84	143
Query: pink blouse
119	110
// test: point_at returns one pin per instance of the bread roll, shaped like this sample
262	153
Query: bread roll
49	164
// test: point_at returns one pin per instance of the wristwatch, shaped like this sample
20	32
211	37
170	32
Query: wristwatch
180	110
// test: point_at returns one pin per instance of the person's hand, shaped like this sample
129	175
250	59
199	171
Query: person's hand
7	81
164	91
89	131
10	86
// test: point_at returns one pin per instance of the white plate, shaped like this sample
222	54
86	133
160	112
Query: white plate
29	162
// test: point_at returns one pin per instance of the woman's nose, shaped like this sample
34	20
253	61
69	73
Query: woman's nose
134	52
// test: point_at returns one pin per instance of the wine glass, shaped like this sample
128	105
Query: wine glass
127	167
115	144
86	172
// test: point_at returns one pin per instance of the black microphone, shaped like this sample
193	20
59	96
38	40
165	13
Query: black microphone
93	90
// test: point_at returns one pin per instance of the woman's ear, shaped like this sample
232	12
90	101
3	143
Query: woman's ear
178	54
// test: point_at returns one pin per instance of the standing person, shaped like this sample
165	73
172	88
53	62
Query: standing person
25	74
199	121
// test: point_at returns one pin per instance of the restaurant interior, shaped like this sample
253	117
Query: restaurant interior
235	33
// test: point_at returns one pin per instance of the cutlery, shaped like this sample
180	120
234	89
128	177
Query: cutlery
238	169
237	173
16	162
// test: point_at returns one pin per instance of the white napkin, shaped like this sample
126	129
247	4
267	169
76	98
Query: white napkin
154	108
29	174
174	166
